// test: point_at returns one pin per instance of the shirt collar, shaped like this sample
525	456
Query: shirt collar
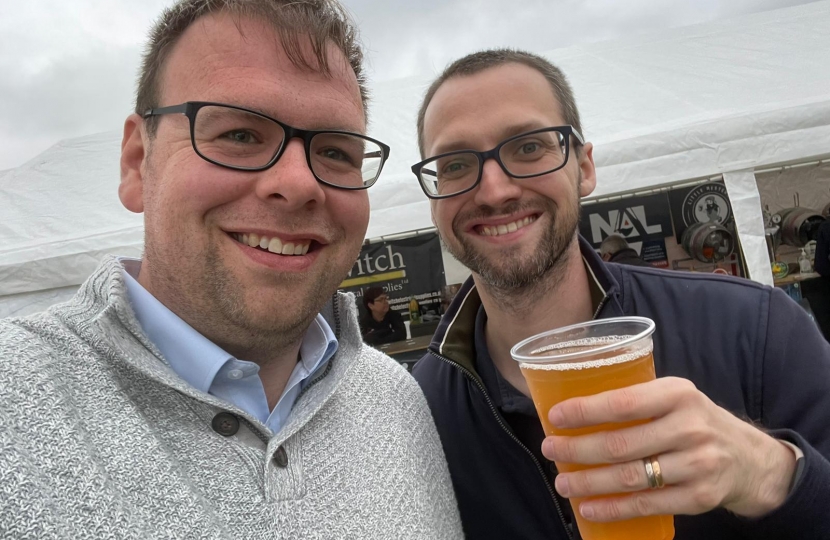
195	358
319	344
192	356
504	395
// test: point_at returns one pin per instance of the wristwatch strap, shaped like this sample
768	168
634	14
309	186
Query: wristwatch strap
799	463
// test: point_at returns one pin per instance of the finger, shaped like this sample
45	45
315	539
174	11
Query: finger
620	478
656	502
652	399
620	445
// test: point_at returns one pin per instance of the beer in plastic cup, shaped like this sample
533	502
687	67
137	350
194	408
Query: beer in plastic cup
583	360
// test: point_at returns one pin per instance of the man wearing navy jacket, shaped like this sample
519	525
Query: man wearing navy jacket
741	406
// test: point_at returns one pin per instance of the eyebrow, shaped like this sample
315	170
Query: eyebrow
506	133
269	113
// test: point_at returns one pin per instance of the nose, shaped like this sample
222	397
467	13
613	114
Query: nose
496	187
290	180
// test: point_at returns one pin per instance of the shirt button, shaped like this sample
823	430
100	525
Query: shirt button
225	424
281	458
235	374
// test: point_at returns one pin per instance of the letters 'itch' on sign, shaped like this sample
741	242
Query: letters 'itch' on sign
412	267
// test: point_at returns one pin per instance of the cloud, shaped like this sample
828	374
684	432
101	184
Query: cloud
69	68
75	96
405	38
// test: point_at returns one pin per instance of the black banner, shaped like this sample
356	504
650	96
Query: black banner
404	268
638	219
699	204
654	252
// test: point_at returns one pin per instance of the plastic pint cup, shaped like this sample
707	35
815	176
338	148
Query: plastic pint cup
583	360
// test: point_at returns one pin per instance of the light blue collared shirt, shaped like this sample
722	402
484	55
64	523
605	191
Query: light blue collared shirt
208	368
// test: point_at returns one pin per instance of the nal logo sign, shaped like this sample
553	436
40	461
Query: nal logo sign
644	221
631	222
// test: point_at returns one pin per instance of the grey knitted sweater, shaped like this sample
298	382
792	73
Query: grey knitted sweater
99	438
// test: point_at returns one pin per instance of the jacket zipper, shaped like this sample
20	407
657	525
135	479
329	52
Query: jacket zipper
601	305
512	436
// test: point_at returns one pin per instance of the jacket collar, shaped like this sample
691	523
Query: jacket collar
455	337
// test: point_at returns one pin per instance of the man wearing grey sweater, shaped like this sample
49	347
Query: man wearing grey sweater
218	388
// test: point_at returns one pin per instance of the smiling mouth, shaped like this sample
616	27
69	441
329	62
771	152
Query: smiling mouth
274	244
505	228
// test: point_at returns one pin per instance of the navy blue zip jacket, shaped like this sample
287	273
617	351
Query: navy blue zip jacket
748	347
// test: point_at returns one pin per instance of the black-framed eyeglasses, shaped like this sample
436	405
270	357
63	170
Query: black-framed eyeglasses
526	155
246	140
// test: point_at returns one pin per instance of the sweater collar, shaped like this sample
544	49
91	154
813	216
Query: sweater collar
102	315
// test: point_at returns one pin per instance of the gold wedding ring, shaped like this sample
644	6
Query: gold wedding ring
658	474
653	472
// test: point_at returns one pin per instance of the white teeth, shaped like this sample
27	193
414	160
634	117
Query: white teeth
514	226
275	246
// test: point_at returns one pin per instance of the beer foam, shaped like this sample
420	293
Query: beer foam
586	344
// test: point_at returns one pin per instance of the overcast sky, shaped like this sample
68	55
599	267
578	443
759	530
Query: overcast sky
68	67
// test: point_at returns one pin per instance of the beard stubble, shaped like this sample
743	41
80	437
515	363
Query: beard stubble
513	275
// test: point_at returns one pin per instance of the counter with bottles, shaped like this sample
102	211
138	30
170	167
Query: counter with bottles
795	278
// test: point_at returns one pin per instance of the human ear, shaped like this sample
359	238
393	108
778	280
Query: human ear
586	167
133	152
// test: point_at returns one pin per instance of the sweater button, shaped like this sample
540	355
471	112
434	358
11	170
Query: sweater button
281	458
225	424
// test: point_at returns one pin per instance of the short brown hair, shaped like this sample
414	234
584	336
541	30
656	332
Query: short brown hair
371	294
322	21
479	61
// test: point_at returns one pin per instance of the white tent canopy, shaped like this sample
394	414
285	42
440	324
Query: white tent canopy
682	104
677	105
